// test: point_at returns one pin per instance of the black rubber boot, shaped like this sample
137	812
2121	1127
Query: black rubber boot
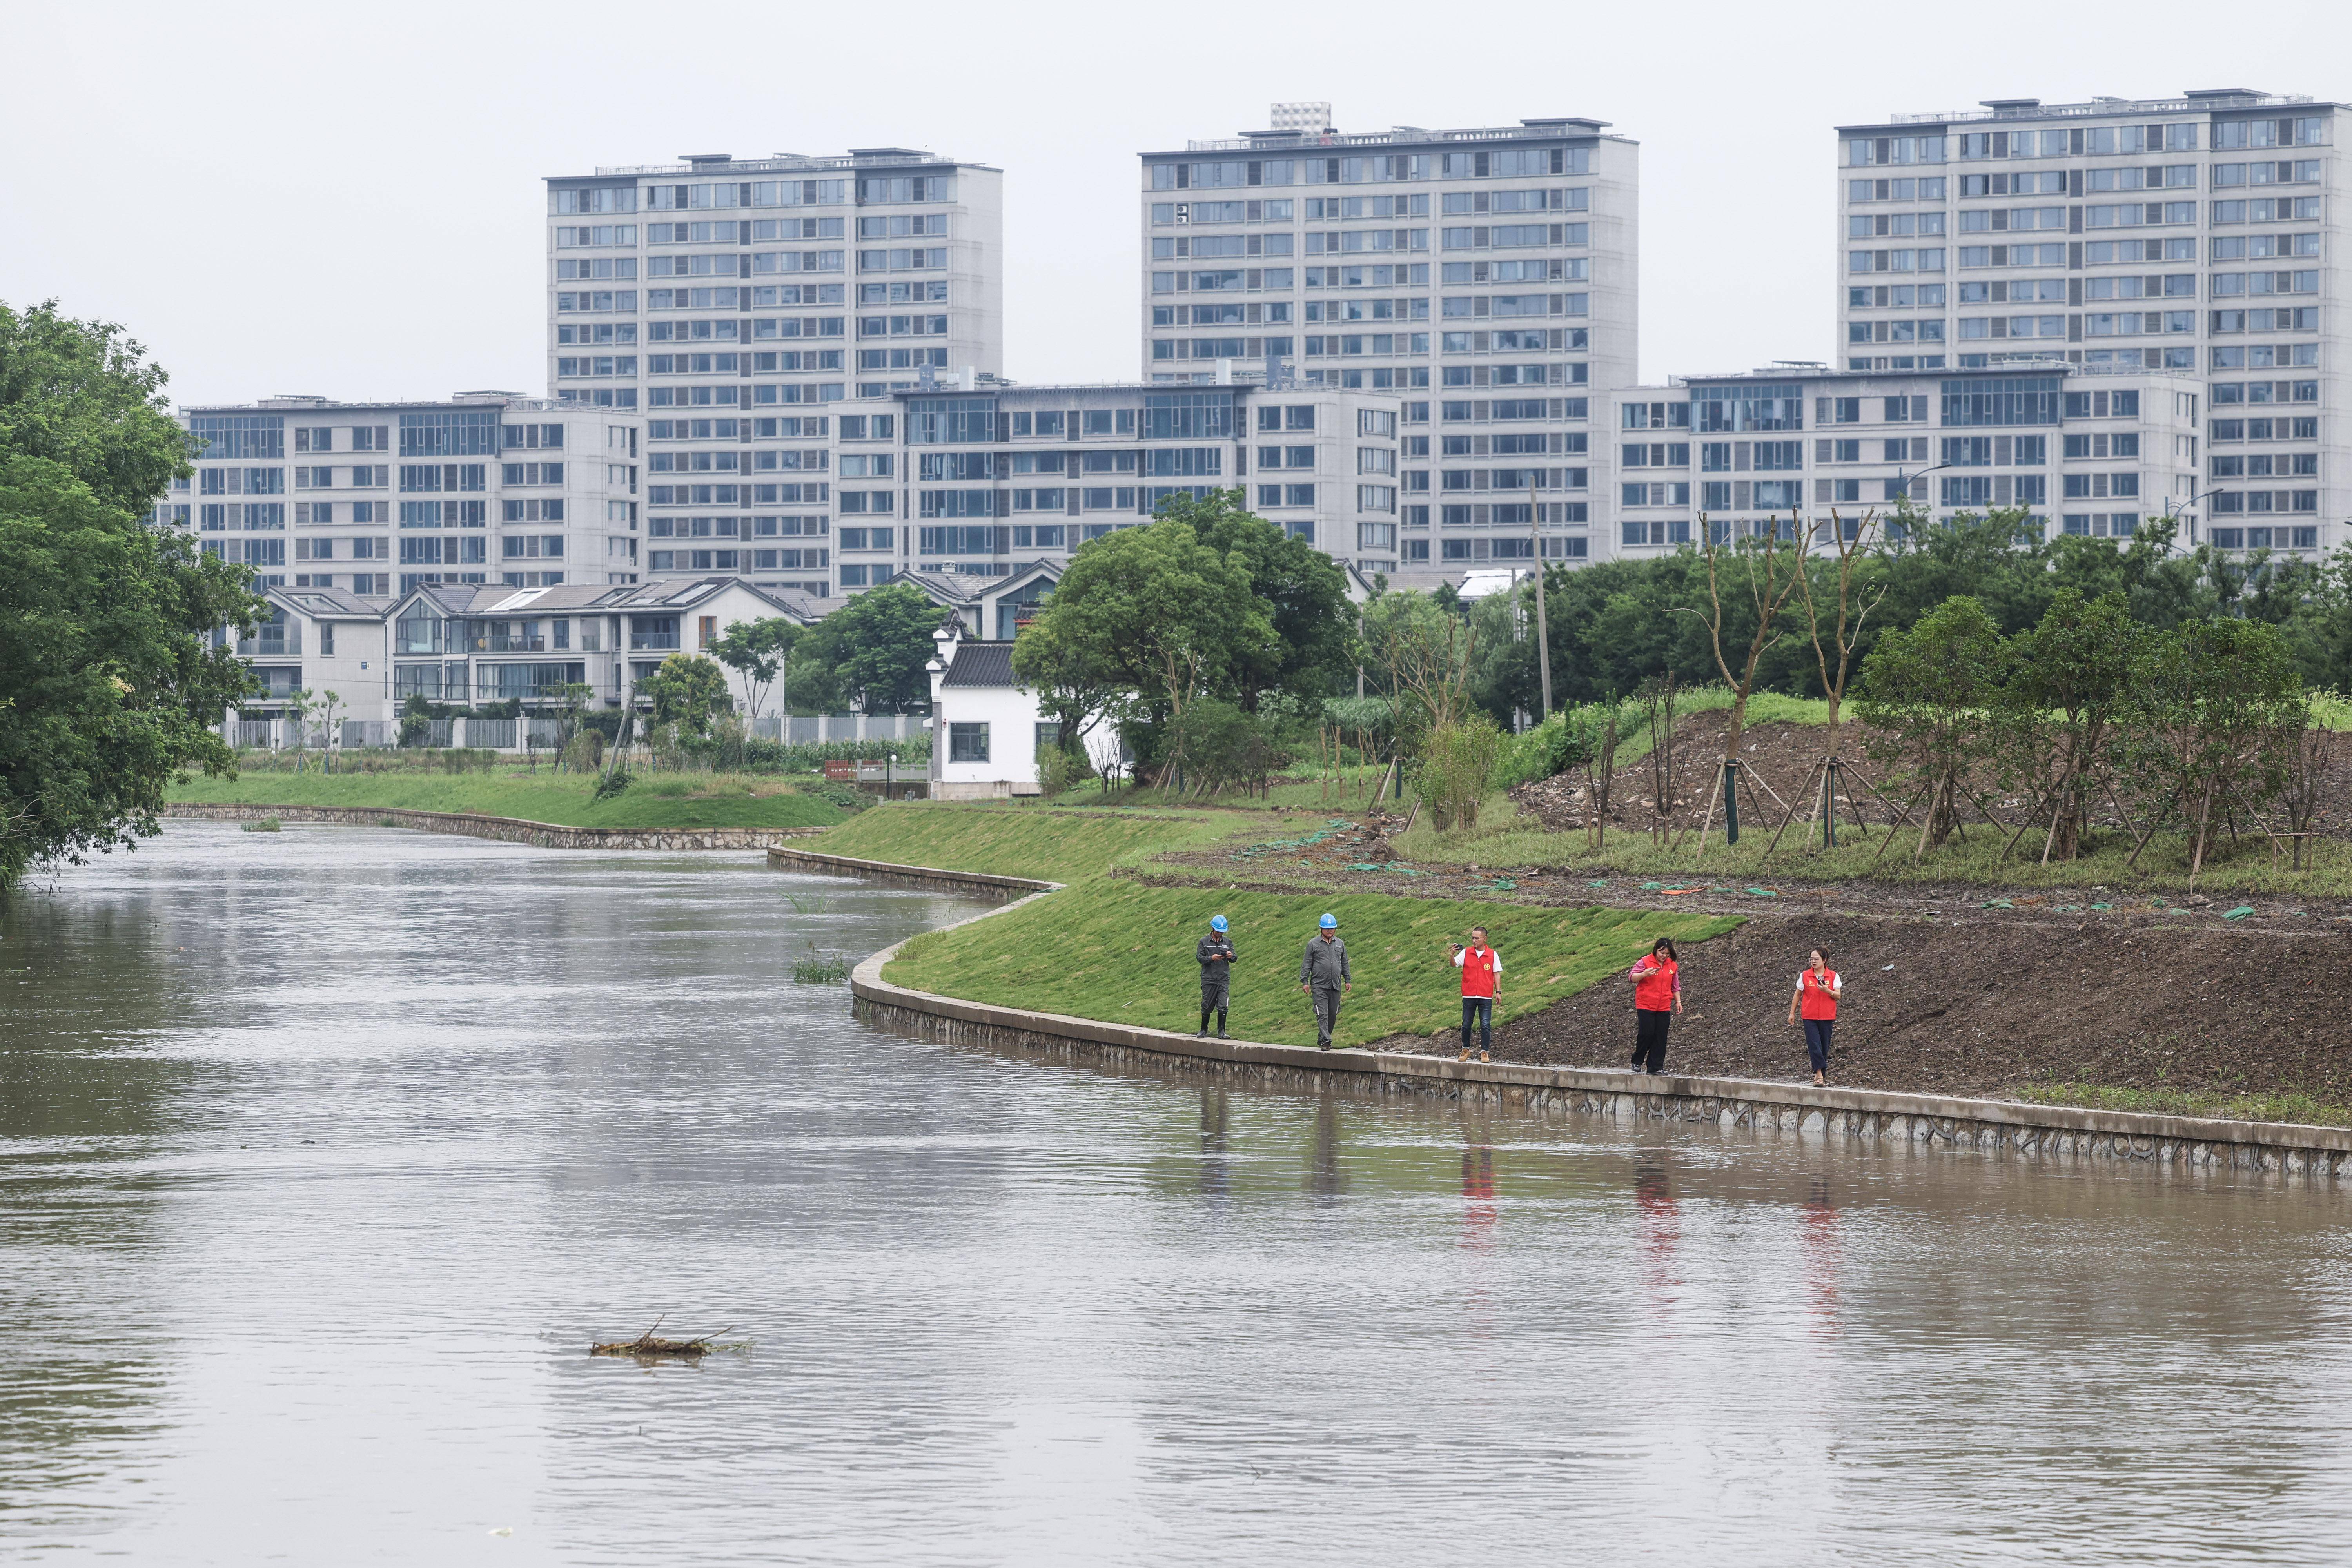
1221	1022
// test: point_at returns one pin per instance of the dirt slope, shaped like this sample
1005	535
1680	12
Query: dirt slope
1976	1006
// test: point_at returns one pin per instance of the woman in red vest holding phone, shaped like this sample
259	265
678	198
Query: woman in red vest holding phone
1657	998
1818	989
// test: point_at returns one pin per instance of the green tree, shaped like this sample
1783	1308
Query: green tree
108	675
1926	691
415	719
2215	709
1427	656
1313	650
82	395
2055	726
869	654
685	691
107	685
756	652
1150	611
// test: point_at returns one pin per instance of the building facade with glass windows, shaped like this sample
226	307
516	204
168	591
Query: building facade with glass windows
2195	235
732	303
1486	278
375	499
985	483
2094	453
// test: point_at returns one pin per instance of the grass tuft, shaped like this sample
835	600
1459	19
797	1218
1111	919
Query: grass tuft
814	968
261	825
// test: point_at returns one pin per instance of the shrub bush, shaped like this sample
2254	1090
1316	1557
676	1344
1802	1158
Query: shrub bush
1456	762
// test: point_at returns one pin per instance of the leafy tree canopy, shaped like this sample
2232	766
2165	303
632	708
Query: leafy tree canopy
108	676
869	654
686	691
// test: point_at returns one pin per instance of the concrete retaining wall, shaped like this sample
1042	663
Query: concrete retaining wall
510	829
1860	1114
984	883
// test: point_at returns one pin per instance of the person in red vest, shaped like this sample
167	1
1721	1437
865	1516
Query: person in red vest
1657	998
1481	966
1818	989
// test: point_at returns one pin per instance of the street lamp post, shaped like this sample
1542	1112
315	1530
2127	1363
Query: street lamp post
1903	480
2172	516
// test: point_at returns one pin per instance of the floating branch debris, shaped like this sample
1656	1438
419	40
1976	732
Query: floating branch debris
650	1345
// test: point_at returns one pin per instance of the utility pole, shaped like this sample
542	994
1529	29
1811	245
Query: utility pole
1543	632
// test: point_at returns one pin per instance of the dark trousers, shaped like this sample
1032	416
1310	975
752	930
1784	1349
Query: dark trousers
1650	1039
1817	1041
1327	1013
1215	999
1482	1009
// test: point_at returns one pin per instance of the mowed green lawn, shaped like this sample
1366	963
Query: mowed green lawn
1115	951
1043	842
566	800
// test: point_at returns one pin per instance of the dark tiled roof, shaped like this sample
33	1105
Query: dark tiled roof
981	664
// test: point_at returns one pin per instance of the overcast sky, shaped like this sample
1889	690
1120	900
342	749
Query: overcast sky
347	201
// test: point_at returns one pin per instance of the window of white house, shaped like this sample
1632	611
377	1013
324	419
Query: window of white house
967	742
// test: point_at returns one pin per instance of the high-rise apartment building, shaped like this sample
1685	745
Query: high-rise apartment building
1484	277
2196	235
370	498
729	302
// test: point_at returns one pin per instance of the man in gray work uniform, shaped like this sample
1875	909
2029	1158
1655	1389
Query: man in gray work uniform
1323	975
1216	955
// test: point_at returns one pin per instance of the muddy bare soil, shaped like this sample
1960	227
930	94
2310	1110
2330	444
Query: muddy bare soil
1979	1006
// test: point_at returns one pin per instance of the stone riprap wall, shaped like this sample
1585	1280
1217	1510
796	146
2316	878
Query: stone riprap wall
986	884
508	829
1918	1120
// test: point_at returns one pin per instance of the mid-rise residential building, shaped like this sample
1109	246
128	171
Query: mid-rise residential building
2196	236
374	498
2095	452
1484	277
944	481
733	301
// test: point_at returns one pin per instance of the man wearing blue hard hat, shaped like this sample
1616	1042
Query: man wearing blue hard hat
1323	975
1217	955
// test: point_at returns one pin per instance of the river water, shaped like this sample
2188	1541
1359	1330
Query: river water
324	1155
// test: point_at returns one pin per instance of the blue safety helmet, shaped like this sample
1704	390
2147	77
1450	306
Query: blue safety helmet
1216	922
1329	923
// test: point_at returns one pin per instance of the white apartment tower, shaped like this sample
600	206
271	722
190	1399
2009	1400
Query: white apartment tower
1485	277
2196	236
732	302
379	498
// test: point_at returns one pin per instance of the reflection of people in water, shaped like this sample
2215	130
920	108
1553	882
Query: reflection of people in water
1323	1177
1653	1199
1216	1164
1823	1250
1478	1196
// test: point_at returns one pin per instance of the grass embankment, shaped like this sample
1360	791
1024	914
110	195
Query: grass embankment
1123	952
1043	842
2303	1109
566	800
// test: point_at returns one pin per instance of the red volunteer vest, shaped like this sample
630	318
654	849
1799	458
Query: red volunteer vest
1654	991
1818	1003
1478	972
